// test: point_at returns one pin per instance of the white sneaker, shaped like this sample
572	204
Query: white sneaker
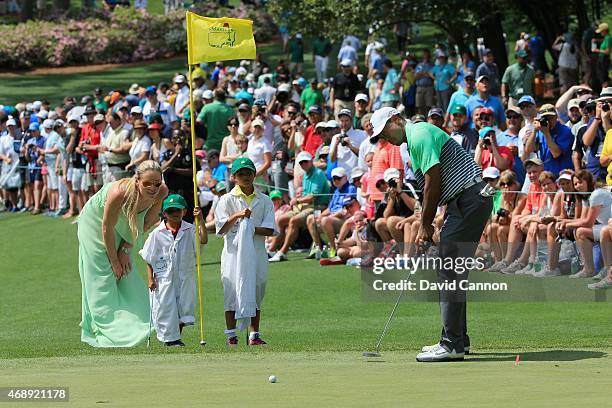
546	272
439	353
278	257
498	266
602	284
528	270
427	349
513	267
603	272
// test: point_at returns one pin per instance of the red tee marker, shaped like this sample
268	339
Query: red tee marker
517	360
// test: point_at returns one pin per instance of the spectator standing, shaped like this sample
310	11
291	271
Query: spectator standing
489	69
443	73
603	53
311	96
321	48
484	97
296	50
215	116
518	80
568	61
344	146
116	150
424	84
390	95
461	133
459	97
348	51
345	88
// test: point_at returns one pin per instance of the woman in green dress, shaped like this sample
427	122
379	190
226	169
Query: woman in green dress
115	305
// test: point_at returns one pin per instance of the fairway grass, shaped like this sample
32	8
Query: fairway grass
317	325
310	379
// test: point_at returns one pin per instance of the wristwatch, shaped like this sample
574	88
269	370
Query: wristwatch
125	250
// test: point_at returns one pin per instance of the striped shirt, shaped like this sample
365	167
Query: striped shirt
428	145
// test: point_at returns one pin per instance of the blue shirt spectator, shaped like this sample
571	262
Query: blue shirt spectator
347	52
424	67
340	194
563	137
491	102
443	73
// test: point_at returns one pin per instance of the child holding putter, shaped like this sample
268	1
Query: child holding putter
170	254
244	217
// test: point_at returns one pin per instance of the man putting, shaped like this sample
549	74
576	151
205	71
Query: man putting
447	175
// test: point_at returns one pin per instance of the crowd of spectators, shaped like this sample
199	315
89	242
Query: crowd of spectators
333	190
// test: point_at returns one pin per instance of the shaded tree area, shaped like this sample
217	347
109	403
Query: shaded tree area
463	21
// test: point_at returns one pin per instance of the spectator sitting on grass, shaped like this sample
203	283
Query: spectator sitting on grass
332	218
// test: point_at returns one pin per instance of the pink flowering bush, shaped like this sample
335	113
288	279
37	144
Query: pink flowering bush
122	36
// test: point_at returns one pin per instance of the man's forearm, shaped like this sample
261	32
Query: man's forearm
431	195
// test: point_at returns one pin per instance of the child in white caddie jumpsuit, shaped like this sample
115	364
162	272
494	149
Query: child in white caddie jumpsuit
244	217
170	254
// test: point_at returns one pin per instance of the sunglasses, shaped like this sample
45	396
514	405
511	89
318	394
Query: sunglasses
503	184
485	117
291	112
513	116
233	125
147	184
336	178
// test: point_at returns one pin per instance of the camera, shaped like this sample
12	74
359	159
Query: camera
392	183
487	141
605	106
343	140
502	212
543	122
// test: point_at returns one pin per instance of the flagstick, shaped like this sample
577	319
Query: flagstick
195	184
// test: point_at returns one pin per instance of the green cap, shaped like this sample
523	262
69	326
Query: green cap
242	163
458	109
174	201
220	186
276	194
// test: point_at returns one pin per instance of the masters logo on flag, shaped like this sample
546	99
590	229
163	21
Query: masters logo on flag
219	39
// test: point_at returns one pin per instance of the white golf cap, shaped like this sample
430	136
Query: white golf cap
11	122
47	124
345	112
332	124
490	173
321	125
391	173
180	79
565	176
208	94
346	62
298	36
357	172
338	172
36	105
361	97
99	118
284	88
573	103
43	114
258	122
379	120
59	122
251	90
303	156
136	110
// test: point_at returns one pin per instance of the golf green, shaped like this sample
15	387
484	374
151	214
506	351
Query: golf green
345	379
317	324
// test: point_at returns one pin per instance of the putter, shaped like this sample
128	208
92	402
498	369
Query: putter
150	320
376	352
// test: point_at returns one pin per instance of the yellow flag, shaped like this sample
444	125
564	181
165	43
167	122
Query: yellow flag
219	39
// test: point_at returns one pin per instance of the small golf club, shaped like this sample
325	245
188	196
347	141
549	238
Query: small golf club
423	249
150	319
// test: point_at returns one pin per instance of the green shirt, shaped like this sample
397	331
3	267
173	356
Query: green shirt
311	97
296	49
605	44
321	47
497	201
519	79
315	182
214	117
428	146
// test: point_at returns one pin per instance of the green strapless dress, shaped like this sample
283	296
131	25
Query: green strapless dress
114	314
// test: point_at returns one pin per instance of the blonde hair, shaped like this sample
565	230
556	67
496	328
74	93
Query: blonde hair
130	203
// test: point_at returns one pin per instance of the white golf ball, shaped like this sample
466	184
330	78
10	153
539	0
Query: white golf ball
272	379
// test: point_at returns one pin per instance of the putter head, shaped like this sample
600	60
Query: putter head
202	343
371	354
